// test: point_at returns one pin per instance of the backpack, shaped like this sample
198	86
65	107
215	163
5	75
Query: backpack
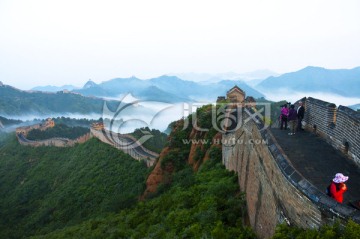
328	191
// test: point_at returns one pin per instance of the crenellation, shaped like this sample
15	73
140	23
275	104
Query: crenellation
337	125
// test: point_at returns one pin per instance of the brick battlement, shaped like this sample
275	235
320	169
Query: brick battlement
340	126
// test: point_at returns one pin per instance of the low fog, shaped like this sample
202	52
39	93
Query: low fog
155	115
158	115
292	96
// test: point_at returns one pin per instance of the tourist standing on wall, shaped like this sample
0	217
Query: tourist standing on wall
300	115
338	187
292	118
284	115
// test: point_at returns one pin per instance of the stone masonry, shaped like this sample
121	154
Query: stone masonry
340	126
275	191
271	197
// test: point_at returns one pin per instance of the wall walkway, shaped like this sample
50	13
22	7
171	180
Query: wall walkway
278	188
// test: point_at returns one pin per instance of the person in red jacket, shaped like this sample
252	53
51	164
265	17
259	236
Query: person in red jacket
338	187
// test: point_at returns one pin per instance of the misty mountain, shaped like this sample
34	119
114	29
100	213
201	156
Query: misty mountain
15	102
8	122
89	84
157	89
153	93
316	79
51	88
92	89
355	107
164	88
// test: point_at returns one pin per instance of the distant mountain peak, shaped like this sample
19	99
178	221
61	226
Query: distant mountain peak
313	68
51	88
342	82
168	77
89	84
1	84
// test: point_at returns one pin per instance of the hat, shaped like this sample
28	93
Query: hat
340	178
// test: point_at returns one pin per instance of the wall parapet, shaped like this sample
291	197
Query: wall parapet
324	202
127	144
138	144
56	142
339	126
354	115
271	197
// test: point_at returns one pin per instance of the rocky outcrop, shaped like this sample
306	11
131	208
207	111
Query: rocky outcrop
158	175
199	149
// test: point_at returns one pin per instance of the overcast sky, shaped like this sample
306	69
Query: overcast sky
70	41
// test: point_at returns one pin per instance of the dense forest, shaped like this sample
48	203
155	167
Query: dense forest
3	138
75	122
206	204
58	131
46	188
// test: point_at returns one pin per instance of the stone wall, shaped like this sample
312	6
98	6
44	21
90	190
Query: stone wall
49	123
340	126
270	196
126	143
56	142
117	141
275	191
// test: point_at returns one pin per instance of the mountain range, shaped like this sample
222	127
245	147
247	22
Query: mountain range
51	88
199	87
164	89
344	82
15	102
171	89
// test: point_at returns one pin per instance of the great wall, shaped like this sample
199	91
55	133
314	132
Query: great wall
279	188
286	184
126	143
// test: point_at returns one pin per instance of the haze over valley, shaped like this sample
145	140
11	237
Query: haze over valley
162	100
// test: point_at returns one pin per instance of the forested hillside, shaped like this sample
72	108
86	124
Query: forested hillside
14	102
46	188
156	143
7	122
206	204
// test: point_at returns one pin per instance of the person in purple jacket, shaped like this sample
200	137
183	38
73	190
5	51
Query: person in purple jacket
292	118
284	116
